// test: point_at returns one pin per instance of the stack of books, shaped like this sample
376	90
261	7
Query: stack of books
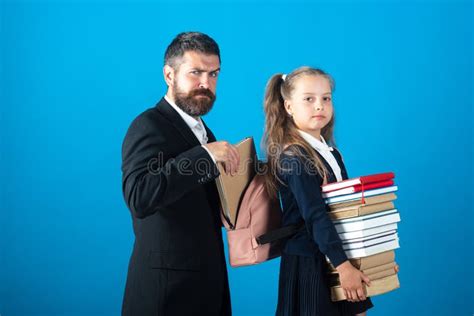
366	220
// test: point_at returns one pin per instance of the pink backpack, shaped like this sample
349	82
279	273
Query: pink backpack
258	233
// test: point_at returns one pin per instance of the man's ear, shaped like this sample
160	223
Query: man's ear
168	74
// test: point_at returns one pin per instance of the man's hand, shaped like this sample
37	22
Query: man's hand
225	153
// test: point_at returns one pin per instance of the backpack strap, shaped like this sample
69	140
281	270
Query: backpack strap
283	232
279	233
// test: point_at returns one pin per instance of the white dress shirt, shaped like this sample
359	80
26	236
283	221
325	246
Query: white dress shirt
324	150
196	126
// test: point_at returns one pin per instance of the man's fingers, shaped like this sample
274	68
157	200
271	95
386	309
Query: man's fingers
232	162
234	154
228	155
227	167
235	163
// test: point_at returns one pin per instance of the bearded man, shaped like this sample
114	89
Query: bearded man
169	159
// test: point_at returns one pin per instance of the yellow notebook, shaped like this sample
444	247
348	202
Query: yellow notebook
370	261
372	273
232	188
359	210
377	287
387	197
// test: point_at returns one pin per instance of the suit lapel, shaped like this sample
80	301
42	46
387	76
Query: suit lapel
174	118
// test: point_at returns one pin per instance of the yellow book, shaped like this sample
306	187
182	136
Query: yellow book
232	188
387	197
373	273
370	261
382	267
377	287
359	210
381	274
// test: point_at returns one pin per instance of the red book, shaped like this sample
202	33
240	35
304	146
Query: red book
358	187
364	180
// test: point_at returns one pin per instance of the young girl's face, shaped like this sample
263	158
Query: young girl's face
310	104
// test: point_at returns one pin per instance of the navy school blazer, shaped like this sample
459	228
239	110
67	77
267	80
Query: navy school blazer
301	199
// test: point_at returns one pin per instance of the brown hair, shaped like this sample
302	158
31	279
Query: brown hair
281	131
190	41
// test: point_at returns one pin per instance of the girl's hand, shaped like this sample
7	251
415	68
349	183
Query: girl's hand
396	268
351	282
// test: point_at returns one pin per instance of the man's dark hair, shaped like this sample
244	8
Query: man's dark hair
190	41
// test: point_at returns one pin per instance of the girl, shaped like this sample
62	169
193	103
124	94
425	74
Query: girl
299	122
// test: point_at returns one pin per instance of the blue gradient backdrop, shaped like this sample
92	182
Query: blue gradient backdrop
74	75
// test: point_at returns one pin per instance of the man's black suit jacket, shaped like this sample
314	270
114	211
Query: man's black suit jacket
177	266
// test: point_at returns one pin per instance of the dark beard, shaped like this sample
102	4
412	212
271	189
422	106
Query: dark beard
193	105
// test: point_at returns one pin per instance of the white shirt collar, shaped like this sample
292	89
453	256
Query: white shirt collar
190	121
317	144
322	147
195	124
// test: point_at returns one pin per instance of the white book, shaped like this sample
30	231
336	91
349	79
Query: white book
338	192
364	217
372	250
358	195
367	221
368	242
378	235
368	232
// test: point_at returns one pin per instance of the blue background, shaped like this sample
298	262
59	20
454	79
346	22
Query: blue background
75	74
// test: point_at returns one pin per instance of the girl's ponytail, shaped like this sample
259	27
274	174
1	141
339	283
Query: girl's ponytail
276	116
277	123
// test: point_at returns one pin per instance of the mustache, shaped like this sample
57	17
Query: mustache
206	92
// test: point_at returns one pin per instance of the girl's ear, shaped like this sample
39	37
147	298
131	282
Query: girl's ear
288	108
